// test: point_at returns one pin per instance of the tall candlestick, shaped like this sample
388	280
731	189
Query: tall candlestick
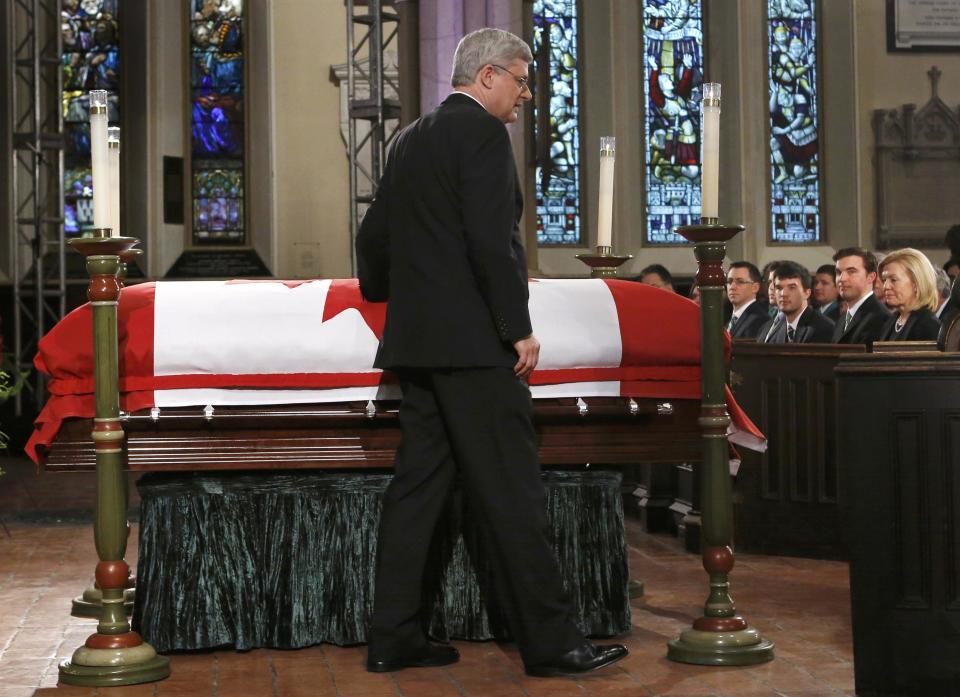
608	151
100	167
113	157
710	153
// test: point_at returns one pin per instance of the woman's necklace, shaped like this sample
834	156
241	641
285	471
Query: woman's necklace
898	326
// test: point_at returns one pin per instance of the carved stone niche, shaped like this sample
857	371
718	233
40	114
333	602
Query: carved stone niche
917	172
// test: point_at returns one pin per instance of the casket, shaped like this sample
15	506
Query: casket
275	374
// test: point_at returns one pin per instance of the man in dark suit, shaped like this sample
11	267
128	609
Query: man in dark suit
825	293
796	322
743	284
441	242
865	316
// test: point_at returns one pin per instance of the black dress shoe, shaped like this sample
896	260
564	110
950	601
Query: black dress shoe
429	656
586	657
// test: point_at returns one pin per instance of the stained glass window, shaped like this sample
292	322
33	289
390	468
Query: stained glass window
555	36
794	121
673	80
90	61
217	121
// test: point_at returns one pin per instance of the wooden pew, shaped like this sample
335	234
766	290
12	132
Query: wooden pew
788	500
900	446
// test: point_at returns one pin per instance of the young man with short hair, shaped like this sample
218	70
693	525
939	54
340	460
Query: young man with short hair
797	322
865	316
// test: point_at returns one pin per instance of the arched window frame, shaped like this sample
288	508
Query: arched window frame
543	146
693	216
191	168
821	237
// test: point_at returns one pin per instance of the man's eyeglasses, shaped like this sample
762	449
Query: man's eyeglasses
739	281
522	81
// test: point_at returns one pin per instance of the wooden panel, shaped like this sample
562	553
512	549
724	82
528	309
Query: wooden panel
951	509
788	499
911	511
343	435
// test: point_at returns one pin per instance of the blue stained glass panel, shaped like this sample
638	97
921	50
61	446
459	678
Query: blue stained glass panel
556	23
673	82
216	120
90	60
794	122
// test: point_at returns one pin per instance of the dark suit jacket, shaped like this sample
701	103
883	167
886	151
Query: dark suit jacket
866	325
749	323
441	242
831	311
921	325
812	328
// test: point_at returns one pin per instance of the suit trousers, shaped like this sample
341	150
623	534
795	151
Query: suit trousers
477	422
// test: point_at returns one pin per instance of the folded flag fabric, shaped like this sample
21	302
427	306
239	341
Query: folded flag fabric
280	342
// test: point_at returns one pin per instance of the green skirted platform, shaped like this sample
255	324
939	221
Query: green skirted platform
286	559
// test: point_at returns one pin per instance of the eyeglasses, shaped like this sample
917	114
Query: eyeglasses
522	81
739	281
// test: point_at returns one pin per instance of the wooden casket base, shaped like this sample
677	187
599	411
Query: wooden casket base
285	559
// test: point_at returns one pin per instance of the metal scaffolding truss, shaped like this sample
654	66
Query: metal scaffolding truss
38	249
372	100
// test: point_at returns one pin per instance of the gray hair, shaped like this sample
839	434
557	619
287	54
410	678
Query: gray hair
483	47
943	283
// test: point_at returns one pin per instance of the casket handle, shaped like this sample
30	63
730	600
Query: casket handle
664	409
582	407
371	409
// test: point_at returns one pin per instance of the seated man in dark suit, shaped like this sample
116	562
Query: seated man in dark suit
656	275
825	292
743	284
797	322
865	316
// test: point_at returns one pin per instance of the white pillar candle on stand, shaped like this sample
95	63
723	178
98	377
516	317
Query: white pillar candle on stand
100	168
608	151
710	150
113	159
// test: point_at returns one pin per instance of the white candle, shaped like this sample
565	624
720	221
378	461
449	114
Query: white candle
100	167
710	150
608	150
113	158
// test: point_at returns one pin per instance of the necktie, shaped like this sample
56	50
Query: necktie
846	322
733	323
791	334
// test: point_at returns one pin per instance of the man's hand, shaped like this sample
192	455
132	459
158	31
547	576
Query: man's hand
528	350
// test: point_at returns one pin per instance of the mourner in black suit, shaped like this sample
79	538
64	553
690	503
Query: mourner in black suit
825	293
797	322
865	316
910	290
743	284
441	243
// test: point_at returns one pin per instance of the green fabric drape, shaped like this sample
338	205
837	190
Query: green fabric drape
286	559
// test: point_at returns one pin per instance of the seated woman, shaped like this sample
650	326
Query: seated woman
910	290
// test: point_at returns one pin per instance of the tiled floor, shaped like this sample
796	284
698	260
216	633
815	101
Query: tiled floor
801	605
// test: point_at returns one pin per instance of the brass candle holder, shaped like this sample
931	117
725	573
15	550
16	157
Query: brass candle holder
604	263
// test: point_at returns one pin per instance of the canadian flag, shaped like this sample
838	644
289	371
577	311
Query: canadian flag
285	342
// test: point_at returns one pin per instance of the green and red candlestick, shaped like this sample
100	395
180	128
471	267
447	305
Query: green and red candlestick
721	636
114	655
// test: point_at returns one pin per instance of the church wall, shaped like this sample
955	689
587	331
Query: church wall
311	184
887	81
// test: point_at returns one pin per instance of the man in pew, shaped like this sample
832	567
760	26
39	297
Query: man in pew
743	284
865	316
796	322
656	275
825	292
944	283
441	242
